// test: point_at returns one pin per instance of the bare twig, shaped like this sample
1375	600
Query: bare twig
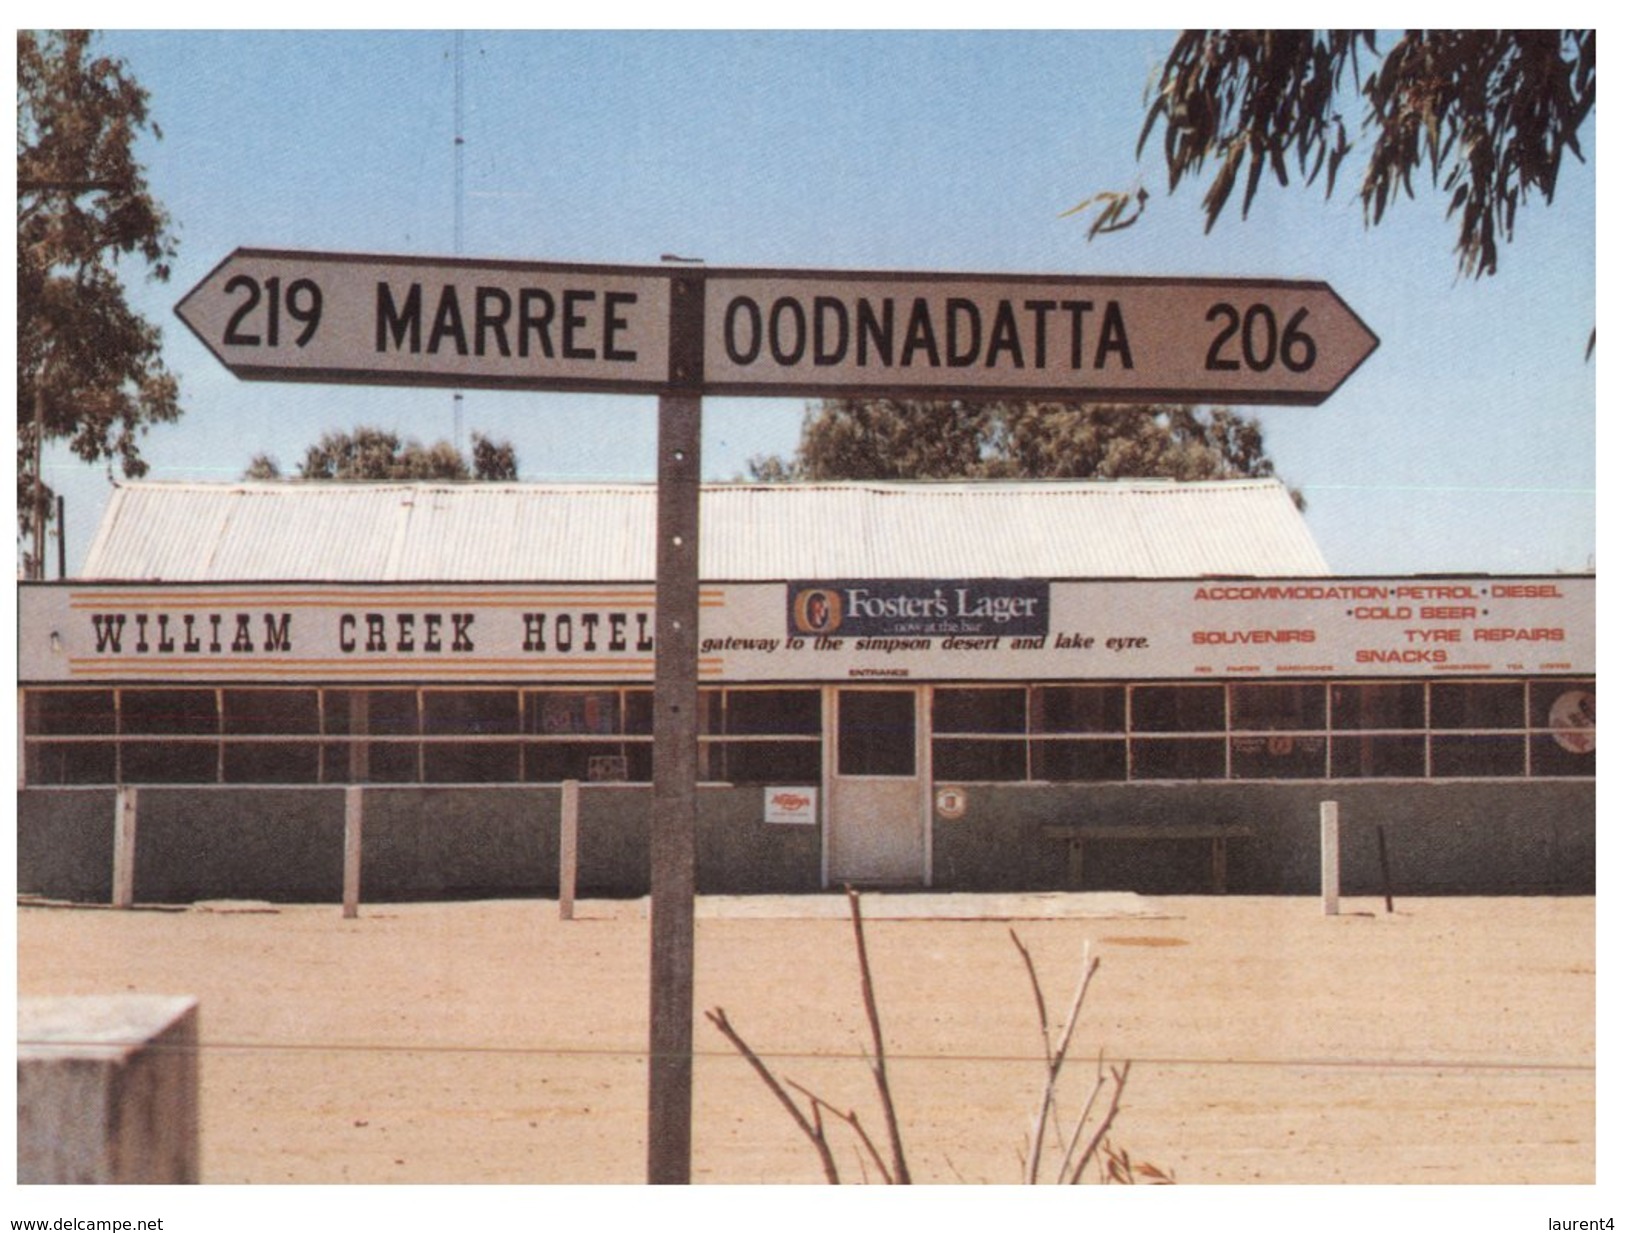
815	1133
1038	993
1117	1165
1030	1167
851	1118
878	1066
1114	210
1036	1138
1119	1081
1091	966
1054	1057
1070	1154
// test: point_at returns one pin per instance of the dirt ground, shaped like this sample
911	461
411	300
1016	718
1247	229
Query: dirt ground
1451	1041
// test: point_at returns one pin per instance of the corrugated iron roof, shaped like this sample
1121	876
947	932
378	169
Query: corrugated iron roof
385	532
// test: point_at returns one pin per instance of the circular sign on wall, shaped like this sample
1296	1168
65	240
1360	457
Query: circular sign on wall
818	611
951	802
1574	716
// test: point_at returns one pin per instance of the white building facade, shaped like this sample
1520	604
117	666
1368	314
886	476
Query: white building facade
950	685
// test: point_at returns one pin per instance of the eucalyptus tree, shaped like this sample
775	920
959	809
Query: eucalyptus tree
90	370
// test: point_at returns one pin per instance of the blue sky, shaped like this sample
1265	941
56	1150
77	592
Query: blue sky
1465	443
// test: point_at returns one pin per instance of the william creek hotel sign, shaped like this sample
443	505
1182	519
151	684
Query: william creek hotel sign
812	630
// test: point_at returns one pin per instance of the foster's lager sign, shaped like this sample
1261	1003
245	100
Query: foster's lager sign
918	607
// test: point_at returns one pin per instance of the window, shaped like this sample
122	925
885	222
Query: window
877	732
1281	715
1064	761
1278	708
1177	709
1065	722
389	717
1464	717
1060	733
176	715
1476	704
1001	710
461	727
1384	725
1479	756
261	714
1183	758
560	712
980	734
594	735
1374	707
169	712
1368	756
79	717
762	735
1078	708
1055	733
1278	757
70	712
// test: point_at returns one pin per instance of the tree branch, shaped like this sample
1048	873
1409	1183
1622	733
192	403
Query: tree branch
832	1175
878	1067
1119	1082
1054	1058
851	1118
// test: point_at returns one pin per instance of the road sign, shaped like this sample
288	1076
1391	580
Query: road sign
288	316
1081	339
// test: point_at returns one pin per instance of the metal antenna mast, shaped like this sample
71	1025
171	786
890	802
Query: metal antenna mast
457	203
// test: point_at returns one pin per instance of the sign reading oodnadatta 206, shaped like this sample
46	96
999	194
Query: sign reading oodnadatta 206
945	335
541	635
291	316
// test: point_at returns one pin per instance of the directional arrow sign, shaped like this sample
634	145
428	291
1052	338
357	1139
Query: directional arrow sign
284	316
290	316
943	335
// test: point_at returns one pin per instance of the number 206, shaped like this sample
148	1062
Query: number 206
302	301
1260	340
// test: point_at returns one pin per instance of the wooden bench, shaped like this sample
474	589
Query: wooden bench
1218	834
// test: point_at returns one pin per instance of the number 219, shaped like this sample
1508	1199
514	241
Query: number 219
302	302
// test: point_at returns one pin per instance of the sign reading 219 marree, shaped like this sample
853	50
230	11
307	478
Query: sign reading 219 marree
332	317
907	607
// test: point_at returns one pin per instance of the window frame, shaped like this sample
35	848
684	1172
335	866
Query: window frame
112	740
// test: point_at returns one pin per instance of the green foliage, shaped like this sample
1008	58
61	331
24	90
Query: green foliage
494	460
886	439
891	439
1488	114
87	366
378	454
263	467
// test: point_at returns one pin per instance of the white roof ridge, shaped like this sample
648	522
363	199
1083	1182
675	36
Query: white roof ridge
581	532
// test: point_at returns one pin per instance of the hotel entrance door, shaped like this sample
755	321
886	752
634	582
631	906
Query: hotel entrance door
877	790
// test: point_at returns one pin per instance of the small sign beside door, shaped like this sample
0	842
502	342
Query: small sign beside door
790	806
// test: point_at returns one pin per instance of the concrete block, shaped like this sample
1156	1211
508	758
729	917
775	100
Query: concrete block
107	1089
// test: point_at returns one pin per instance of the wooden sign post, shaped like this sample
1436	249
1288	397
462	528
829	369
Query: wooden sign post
672	820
